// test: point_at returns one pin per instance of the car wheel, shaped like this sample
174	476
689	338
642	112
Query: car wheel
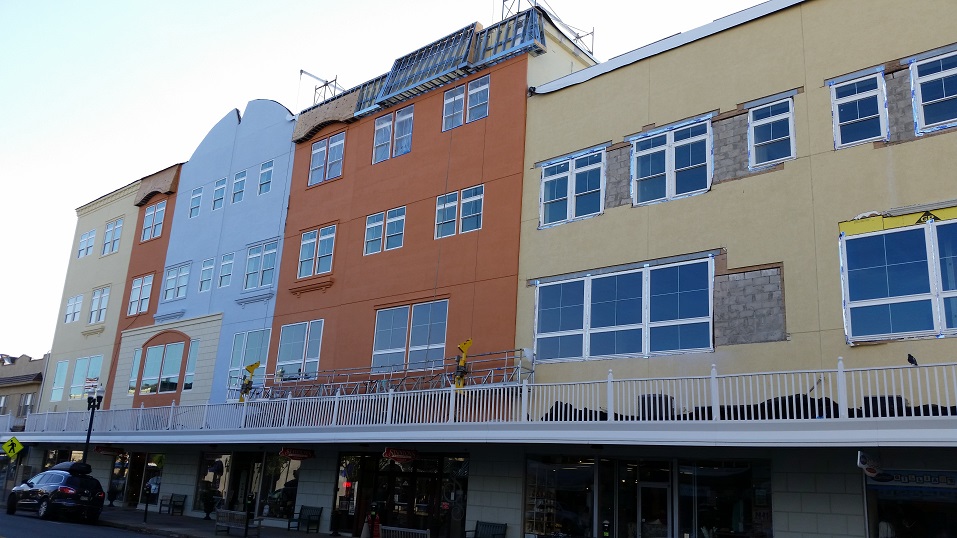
43	511
11	505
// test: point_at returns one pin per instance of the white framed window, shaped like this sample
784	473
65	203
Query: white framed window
771	133
153	221
453	111
402	343
375	226
73	306
225	270
195	200
161	368
86	244
59	381
859	110
219	193
111	238
265	177
470	218
260	265
86	376
315	251
25	406
190	373
326	161
3	404
206	275
900	282
101	297
176	280
392	143
457	102
655	310
573	188
239	186
934	83
673	163
140	295
135	372
391	224
249	348
299	347
446	213
478	99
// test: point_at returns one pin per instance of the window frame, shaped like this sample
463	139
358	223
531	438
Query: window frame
753	124
242	338
111	236
451	98
268	251
153	218
917	92
239	187
375	221
316	240
570	194
175	282
73	307
442	207
195	201
386	135
225	270
472	199
98	304
481	83
78	383
87	240
305	359
880	93
166	371
139	300
408	347
670	149
265	177
219	194
329	168
59	381
206	275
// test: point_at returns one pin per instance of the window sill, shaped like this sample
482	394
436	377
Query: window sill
576	219
321	283
764	167
265	296
169	316
324	182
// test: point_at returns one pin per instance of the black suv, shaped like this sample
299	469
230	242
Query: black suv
66	488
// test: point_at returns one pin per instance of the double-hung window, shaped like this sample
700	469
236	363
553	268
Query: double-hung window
448	217
59	381
26	404
478	99
206	275
771	133
453	111
86	244
176	280
299	346
326	160
460	107
140	295
446	211
86	376
111	239
225	270
248	348
573	188
471	214
153	221
101	298
265	177
219	193
673	163
859	110
389	142
260	265
161	368
640	312
195	200
901	282
315	251
392	224
418	343
239	186
73	306
935	92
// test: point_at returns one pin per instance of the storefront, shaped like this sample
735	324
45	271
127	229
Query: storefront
266	482
912	503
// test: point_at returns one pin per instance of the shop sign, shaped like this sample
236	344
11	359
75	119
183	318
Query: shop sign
297	453
400	455
108	450
870	464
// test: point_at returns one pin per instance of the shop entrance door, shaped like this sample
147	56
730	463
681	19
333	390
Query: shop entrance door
654	509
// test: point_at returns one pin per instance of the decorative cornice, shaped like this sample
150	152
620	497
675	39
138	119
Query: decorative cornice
93	331
169	316
243	301
320	284
107	199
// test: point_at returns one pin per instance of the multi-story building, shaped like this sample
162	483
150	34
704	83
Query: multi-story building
20	379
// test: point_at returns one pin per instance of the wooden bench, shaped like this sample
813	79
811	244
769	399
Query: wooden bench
172	504
308	516
484	529
399	532
229	519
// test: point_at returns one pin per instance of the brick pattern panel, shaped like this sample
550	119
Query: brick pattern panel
817	495
618	177
749	307
730	148
900	109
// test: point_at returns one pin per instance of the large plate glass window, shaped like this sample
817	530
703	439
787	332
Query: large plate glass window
422	338
299	346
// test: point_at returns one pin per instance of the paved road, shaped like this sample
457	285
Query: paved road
27	524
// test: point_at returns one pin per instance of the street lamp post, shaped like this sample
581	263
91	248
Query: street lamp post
93	400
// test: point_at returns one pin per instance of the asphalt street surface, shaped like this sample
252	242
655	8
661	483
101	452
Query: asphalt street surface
27	524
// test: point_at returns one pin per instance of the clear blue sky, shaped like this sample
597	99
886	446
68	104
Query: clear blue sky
96	94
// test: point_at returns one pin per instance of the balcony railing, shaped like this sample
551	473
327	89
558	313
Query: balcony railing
829	395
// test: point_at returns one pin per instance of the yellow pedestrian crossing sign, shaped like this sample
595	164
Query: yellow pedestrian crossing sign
12	446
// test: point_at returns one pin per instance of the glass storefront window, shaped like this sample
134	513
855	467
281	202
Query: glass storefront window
720	497
560	496
911	504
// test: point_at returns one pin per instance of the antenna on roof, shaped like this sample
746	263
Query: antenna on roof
513	7
326	89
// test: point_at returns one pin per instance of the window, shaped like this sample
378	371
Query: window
195	199
86	376
225	270
260	265
299	345
673	163
101	298
935	92
573	188
176	280
135	371
426	339
471	218
239	186
111	239
190	374
901	282
478	99
140	295
453	111
248	348
446	208
153	221
374	228
206	275
313	258
859	111
59	381
326	160
399	142
219	193
86	244
265	177
26	404
73	306
392	223
769	133
656	310
161	368
447	212
3	404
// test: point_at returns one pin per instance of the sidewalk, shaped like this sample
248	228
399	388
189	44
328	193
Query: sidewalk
180	526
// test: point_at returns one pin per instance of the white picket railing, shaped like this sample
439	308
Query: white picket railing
837	394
